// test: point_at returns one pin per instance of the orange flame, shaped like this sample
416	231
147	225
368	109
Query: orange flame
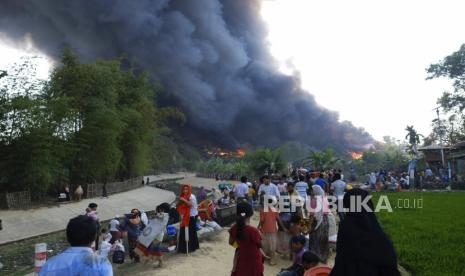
219	152
356	155
240	153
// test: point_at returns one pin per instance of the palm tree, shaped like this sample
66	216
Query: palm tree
321	160
265	161
413	138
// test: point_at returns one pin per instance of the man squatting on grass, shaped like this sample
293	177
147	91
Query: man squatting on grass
78	259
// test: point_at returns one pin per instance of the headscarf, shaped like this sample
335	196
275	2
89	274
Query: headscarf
362	246
201	194
183	209
321	204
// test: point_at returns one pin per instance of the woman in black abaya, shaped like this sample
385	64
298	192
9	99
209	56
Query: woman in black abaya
363	249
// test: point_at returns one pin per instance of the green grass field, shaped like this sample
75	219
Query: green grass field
428	240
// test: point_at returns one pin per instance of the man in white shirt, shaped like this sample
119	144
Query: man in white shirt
79	259
242	189
429	174
268	189
301	187
372	180
338	186
114	223
338	189
114	229
282	185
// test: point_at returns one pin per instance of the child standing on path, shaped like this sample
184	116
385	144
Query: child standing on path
268	225
248	258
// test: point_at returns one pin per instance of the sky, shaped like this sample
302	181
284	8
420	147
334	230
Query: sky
12	51
366	59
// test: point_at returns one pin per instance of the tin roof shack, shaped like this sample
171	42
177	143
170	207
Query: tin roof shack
453	155
432	155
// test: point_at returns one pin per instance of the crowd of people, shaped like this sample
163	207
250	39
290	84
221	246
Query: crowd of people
92	245
396	181
303	233
384	180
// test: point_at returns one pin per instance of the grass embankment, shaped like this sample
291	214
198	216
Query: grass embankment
428	240
18	257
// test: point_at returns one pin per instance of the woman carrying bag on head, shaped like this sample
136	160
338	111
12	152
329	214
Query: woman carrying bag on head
187	209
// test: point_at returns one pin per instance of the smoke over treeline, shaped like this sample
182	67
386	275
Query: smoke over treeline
210	55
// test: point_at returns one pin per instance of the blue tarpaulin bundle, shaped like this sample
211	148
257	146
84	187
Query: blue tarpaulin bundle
225	185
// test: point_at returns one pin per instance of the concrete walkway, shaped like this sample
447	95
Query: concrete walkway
167	176
21	224
190	178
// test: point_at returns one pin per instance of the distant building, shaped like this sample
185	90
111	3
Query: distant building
454	156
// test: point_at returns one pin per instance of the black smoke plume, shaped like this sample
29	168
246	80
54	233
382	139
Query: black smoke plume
211	55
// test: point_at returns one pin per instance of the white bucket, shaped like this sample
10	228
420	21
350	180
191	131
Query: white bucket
40	257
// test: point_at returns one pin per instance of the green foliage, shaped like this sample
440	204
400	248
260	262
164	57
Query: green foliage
427	239
217	165
391	155
452	67
412	136
255	163
30	154
30	161
110	118
172	154
241	167
266	161
321	160
165	152
452	130
413	139
91	122
295	152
